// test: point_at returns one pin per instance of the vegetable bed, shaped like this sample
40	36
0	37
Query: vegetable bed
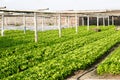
111	65
52	57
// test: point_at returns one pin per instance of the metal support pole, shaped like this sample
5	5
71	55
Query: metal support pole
24	23
112	20
83	21
35	25
108	21
88	24
2	29
76	18
103	21
59	25
97	21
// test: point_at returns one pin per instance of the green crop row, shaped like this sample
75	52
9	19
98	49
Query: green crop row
31	58
18	44
46	37
64	64
111	65
25	43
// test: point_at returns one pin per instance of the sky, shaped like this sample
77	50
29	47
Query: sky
61	4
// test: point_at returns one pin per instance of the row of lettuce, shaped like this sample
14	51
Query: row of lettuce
18	62
62	65
21	43
16	41
111	65
56	57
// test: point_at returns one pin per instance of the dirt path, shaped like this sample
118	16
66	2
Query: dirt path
91	73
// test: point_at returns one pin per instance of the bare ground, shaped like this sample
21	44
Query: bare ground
92	75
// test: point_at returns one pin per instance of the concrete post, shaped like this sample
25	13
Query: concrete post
103	21
112	20
83	21
35	25
97	21
24	23
88	24
2	24
59	25
76	18
108	21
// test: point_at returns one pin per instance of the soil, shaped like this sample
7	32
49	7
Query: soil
75	75
92	75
